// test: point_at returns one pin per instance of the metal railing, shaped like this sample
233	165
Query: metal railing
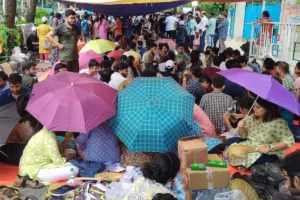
279	40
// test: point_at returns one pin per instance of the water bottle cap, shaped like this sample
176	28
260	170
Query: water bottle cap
72	170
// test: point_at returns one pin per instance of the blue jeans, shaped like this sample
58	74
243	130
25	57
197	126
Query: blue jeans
216	38
210	40
202	42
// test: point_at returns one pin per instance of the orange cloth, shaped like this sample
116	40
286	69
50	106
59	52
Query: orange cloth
119	24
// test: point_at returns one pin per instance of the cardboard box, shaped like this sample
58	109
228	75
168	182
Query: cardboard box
190	150
212	178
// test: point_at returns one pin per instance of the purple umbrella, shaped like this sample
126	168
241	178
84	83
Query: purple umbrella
264	86
72	102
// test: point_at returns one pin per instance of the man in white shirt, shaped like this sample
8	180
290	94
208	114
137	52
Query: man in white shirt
170	26
119	76
93	70
203	28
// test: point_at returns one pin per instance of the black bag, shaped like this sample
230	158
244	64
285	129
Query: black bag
295	129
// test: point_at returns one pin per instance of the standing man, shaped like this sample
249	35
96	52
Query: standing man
127	27
162	24
211	29
170	26
68	35
216	37
223	32
203	28
191	30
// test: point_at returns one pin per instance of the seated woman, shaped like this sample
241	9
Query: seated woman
163	168
16	141
99	145
266	131
42	160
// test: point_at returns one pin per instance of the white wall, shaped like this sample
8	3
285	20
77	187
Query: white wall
239	20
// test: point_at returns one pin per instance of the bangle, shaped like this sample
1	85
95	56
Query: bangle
184	79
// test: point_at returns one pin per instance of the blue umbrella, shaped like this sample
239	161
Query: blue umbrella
153	114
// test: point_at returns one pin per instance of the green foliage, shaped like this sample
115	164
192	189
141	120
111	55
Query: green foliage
14	37
217	8
39	14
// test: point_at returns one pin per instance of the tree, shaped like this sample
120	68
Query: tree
10	12
31	9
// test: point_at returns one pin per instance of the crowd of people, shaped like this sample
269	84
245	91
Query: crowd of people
220	105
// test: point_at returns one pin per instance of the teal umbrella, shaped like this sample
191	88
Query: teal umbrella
153	114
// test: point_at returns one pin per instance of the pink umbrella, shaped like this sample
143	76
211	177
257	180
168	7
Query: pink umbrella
72	102
115	54
170	42
84	59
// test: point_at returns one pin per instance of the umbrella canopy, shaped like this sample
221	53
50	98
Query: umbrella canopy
264	86
85	57
99	46
115	54
8	119
170	42
72	102
153	114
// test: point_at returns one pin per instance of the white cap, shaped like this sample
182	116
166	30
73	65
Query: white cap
33	29
44	19
170	64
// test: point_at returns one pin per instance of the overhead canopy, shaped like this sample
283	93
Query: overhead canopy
129	9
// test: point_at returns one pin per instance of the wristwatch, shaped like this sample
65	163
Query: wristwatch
272	148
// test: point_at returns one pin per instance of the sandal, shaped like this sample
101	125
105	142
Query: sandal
25	181
31	198
9	193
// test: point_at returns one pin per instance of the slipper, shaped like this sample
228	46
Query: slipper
27	182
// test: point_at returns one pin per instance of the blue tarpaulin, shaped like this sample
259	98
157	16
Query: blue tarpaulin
126	9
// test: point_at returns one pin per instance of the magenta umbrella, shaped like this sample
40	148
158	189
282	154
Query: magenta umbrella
170	42
84	59
72	102
264	86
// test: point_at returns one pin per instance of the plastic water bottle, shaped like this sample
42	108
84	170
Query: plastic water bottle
71	177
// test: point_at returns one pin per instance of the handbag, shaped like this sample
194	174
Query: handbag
47	45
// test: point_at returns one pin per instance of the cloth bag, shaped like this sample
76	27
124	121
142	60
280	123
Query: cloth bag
47	45
231	195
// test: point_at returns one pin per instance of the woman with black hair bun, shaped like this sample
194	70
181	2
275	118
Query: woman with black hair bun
163	168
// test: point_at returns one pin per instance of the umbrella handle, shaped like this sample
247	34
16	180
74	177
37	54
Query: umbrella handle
251	108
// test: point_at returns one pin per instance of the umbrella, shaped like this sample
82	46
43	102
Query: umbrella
170	42
153	114
8	119
85	57
115	54
99	46
72	102
264	86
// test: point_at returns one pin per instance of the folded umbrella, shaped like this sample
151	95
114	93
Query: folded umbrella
72	102
264	86
99	46
153	114
170	42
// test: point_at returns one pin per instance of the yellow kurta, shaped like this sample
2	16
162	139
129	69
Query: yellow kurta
260	134
42	31
42	151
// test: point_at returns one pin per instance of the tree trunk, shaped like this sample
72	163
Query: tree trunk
10	12
31	9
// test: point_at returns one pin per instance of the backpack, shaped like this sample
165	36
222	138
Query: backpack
85	27
266	179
